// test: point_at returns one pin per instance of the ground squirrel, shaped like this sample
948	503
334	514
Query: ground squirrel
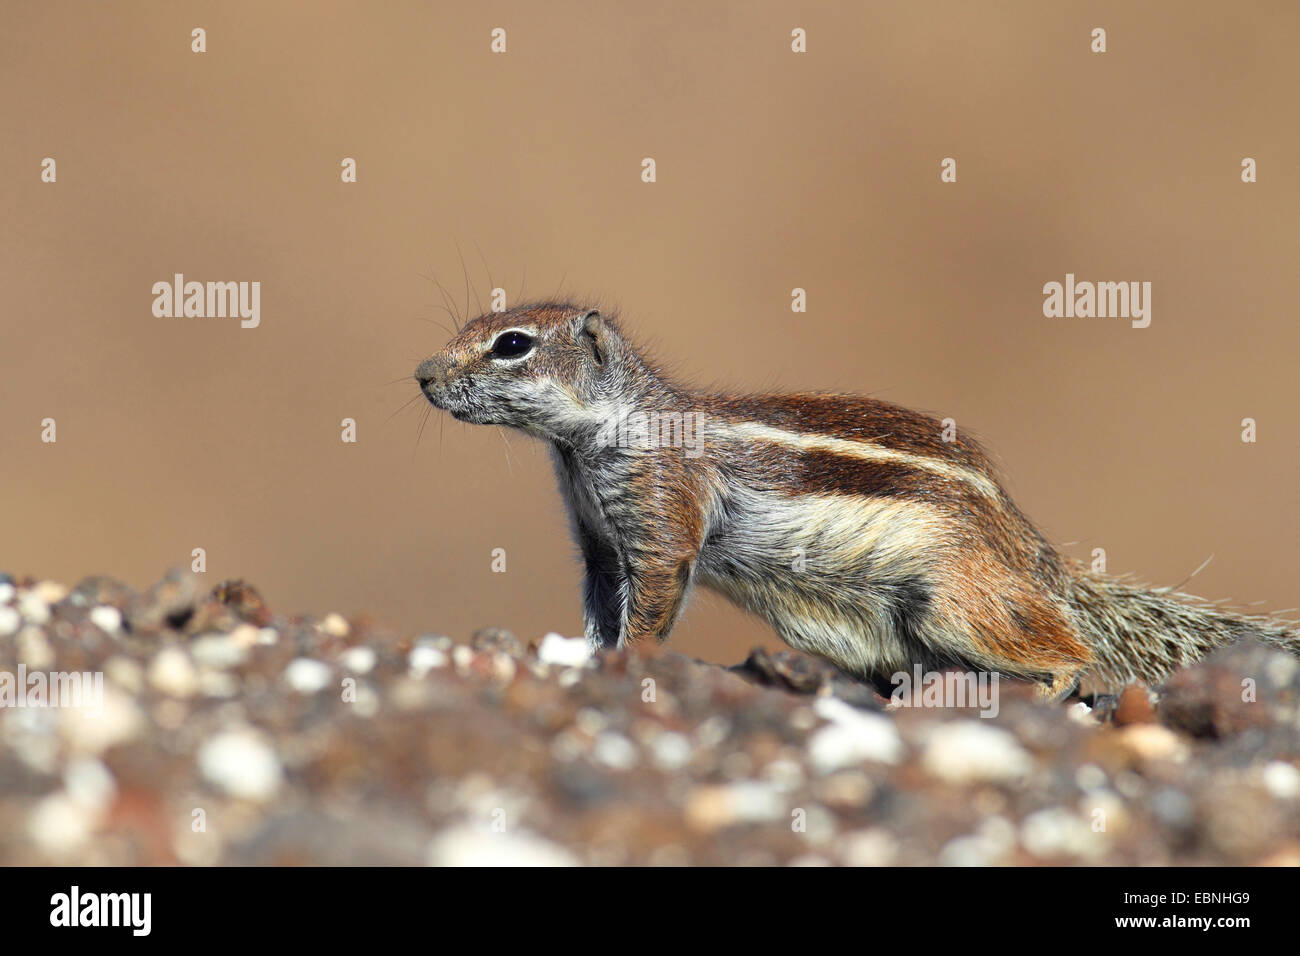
850	524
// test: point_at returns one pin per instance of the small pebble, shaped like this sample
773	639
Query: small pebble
1154	742
173	673
10	620
51	592
359	660
614	751
748	801
335	625
874	847
33	608
241	764
564	651
967	750
851	737
671	751
467	845
1057	831
93	730
89	783
218	651
424	658
59	825
107	618
307	676
1282	780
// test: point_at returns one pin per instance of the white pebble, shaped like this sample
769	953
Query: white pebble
246	636
424	658
462	655
671	750
967	750
745	801
7	592
107	618
851	736
471	846
241	763
1154	742
60	825
172	673
873	847
359	660
1090	777
712	732
614	751
33	608
564	651
335	625
219	651
1081	713
307	676
10	620
95	729
1281	668
1282	780
994	839
590	721
125	673
786	775
1058	832
89	783
51	592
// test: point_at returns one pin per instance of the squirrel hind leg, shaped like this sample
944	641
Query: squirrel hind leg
1062	685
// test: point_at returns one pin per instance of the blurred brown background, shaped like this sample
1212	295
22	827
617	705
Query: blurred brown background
775	170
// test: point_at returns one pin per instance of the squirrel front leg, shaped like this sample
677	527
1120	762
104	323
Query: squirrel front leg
603	593
636	591
656	591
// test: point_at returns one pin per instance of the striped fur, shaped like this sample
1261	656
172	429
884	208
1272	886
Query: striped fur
848	523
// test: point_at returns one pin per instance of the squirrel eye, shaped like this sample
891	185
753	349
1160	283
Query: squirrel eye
511	345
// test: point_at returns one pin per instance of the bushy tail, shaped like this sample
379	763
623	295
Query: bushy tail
1139	634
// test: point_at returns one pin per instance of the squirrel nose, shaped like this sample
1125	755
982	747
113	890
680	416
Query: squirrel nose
431	371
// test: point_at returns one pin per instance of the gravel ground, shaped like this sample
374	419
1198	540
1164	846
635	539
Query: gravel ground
228	734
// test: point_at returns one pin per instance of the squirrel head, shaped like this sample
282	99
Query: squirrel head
550	369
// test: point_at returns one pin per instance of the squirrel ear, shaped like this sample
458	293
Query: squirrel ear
595	335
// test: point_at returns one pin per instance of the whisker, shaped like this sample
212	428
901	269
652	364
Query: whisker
401	408
465	271
425	318
510	465
424	420
448	299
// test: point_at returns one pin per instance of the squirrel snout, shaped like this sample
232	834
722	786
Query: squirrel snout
432	371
